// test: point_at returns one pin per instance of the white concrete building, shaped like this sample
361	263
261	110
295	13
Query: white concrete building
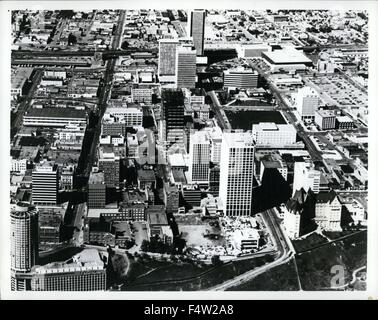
328	211
245	239
240	78
325	119
356	210
307	102
167	58
45	179
236	173
291	222
141	95
274	135
18	165
306	177
24	237
215	134
186	67
199	157
132	117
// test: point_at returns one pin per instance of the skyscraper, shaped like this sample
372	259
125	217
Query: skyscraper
236	173
172	117
197	30
45	180
307	103
199	157
96	190
109	163
186	67
24	237
167	57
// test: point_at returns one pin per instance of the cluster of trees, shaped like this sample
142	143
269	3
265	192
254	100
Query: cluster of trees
72	39
323	29
155	245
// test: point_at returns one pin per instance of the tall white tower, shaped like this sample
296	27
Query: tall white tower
186	67
199	157
236	173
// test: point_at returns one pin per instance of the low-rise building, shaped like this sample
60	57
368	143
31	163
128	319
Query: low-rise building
344	123
325	119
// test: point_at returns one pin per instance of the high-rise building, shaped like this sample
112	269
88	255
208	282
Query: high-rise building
45	179
199	157
214	181
24	237
307	102
215	134
186	67
96	190
172	117
197	30
167	57
236	173
109	163
306	177
240	78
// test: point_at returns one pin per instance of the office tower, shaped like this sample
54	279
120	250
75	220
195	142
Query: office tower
109	163
45	180
171	196
24	237
199	157
172	117
306	177
214	181
240	78
197	30
186	67
167	57
307	102
215	136
96	190
236	173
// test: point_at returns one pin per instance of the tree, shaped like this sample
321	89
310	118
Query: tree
215	260
72	39
125	45
145	246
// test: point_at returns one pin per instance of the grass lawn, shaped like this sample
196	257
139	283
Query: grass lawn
204	276
280	278
315	266
311	241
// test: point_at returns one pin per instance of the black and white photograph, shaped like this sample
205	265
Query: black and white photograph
173	149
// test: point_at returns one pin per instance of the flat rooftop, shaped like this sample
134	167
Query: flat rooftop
96	178
271	126
326	113
286	56
156	217
238	139
57	113
146	175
